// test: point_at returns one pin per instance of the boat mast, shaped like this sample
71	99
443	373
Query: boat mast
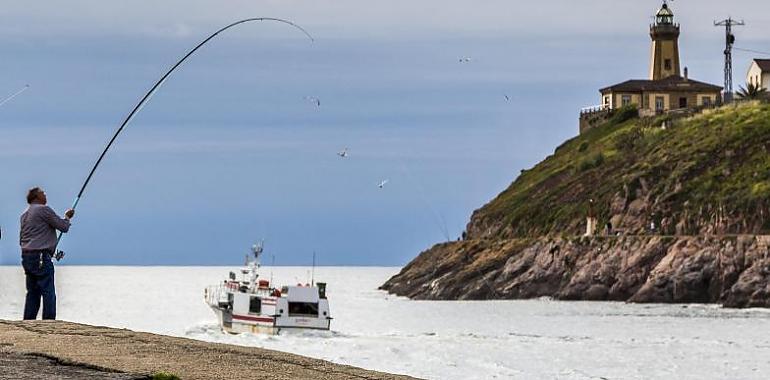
312	273
272	265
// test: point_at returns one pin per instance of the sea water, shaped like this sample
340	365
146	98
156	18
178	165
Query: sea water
534	339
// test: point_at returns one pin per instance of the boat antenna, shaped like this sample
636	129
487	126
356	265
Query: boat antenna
138	107
272	265
257	249
312	274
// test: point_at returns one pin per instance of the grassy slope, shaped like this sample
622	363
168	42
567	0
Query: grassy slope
715	163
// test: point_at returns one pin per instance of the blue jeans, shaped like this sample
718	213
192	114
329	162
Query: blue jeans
38	269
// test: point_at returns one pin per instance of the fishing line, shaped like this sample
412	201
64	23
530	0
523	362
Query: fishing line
440	221
15	94
437	217
152	91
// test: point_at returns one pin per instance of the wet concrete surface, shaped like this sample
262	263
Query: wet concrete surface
15	366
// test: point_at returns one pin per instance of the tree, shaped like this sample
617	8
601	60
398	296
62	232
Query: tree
752	92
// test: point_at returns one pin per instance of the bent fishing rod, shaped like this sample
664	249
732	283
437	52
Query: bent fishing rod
138	107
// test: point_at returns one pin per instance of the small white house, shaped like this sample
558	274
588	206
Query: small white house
759	73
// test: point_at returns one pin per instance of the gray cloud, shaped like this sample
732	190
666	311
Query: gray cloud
356	18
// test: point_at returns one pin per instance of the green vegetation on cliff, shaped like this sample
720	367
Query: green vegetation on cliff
702	179
709	173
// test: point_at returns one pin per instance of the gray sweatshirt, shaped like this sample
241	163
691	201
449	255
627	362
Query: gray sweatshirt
38	228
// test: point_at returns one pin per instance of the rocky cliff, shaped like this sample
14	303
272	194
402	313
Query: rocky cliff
702	181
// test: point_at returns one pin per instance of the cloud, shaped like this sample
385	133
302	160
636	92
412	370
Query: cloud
365	19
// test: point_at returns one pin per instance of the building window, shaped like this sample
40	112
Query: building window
625	100
659	103
706	101
682	102
667	64
606	101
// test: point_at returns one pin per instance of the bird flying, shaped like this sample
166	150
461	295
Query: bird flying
465	59
343	153
8	99
313	100
383	183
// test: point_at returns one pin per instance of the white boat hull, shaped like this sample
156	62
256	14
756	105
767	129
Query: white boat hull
260	313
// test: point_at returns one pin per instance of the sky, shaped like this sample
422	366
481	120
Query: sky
229	151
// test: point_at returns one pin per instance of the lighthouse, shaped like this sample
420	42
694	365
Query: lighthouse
665	90
664	59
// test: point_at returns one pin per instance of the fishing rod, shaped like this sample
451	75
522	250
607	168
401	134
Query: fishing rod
15	94
59	254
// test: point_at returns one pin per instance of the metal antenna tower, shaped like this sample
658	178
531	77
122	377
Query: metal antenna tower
729	42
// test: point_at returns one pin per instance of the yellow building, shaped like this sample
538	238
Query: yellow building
665	89
759	73
659	96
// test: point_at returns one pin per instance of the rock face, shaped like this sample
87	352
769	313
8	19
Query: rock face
690	205
734	271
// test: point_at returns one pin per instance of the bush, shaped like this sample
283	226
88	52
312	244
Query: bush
591	162
623	114
630	139
583	146
760	189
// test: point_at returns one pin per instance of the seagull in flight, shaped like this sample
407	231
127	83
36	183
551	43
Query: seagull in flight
382	184
465	59
507	98
8	99
314	100
343	153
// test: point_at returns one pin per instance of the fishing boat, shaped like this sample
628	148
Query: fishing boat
254	305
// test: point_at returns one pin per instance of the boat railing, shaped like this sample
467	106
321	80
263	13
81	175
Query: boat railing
216	294
219	294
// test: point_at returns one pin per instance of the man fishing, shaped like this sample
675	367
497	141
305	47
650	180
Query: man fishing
37	238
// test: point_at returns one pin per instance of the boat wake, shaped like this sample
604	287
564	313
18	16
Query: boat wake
213	332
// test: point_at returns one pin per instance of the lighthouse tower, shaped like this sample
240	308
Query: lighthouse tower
664	60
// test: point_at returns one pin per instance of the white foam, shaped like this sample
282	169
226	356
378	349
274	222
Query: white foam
537	339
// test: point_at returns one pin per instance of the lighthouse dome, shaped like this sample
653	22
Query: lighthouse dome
664	16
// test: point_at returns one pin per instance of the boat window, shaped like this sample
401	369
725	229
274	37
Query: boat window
303	309
255	305
321	290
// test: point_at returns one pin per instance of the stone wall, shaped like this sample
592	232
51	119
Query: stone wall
594	117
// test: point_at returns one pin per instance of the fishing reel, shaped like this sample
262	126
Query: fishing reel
59	255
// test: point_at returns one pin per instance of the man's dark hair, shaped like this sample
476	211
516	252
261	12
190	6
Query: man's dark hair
32	194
